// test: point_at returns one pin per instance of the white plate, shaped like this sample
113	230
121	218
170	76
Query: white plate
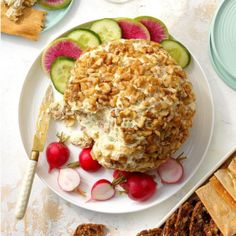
194	148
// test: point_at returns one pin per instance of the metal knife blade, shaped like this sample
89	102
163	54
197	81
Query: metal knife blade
43	120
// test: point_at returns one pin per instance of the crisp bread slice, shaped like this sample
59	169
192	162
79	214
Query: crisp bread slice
221	212
29	26
232	166
223	192
228	180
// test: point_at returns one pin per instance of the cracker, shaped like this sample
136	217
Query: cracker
223	192
28	26
221	212
228	181
232	166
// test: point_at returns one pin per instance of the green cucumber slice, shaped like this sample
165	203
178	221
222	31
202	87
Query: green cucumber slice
85	37
107	29
177	51
60	72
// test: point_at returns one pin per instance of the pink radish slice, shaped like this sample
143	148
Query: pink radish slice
170	171
102	190
68	179
156	28
132	29
60	47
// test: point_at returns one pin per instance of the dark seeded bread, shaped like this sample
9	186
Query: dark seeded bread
90	230
191	219
211	229
151	232
183	220
169	228
200	217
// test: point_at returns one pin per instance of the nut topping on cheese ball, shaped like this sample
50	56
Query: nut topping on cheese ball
134	101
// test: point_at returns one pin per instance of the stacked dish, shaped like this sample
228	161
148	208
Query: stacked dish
222	42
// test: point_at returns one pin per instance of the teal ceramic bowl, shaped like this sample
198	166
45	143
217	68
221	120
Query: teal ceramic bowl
223	37
222	73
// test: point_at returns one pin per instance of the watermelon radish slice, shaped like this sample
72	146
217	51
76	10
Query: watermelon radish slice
132	29
60	47
156	28
54	4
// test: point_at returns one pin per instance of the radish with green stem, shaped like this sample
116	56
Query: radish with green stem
57	153
117	174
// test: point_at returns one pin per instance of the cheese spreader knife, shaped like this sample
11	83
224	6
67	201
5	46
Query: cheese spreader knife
39	141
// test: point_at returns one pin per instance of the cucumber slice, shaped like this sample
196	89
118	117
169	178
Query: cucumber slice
60	72
177	51
85	37
107	29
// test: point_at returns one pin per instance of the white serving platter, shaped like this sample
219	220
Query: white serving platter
194	148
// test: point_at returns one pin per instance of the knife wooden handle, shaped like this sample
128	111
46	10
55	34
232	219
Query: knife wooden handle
25	189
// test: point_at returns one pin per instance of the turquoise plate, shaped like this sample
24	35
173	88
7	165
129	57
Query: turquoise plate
222	73
54	16
223	37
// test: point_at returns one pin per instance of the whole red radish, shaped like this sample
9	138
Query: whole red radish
117	174
57	153
120	173
140	186
87	162
102	190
